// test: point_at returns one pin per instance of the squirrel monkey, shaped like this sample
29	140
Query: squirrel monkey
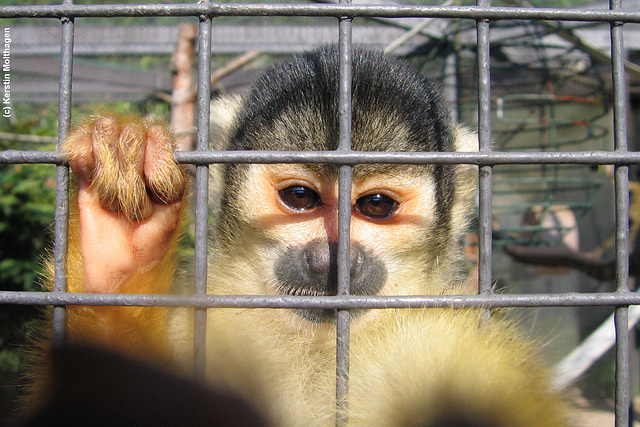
274	232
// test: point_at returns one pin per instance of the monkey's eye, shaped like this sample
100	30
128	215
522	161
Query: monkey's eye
300	198
377	206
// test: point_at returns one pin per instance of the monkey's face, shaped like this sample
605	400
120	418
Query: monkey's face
291	212
282	220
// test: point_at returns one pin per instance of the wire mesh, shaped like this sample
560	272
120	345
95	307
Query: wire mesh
483	15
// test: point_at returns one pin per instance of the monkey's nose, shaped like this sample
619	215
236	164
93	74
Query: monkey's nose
317	257
318	269
320	257
311	269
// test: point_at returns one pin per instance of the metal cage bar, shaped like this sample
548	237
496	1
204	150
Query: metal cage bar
202	157
569	299
62	180
203	108
485	180
621	319
343	318
596	157
335	10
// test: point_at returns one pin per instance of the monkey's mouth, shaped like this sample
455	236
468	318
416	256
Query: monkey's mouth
318	315
315	315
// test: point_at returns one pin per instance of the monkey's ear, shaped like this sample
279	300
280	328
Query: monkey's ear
224	113
466	140
466	180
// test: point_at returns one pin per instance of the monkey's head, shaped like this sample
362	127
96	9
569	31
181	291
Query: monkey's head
407	220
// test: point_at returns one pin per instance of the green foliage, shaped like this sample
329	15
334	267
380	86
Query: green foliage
27	200
27	196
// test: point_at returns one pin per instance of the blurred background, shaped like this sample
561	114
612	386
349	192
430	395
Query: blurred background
550	91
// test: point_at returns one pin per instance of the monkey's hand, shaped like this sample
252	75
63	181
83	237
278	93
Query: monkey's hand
130	196
123	231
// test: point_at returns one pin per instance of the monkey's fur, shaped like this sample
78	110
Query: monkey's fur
274	229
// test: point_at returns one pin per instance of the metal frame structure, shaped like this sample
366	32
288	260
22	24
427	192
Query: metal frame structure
344	12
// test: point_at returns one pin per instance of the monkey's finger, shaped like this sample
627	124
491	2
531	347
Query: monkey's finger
132	194
79	148
104	137
165	179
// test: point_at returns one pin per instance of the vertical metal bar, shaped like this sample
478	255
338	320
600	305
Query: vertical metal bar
202	195
61	215
343	257
623	381
485	214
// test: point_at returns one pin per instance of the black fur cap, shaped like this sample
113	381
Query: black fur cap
294	106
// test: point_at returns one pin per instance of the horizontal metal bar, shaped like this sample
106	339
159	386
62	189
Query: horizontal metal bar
322	302
355	157
412	158
361	157
24	157
334	10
